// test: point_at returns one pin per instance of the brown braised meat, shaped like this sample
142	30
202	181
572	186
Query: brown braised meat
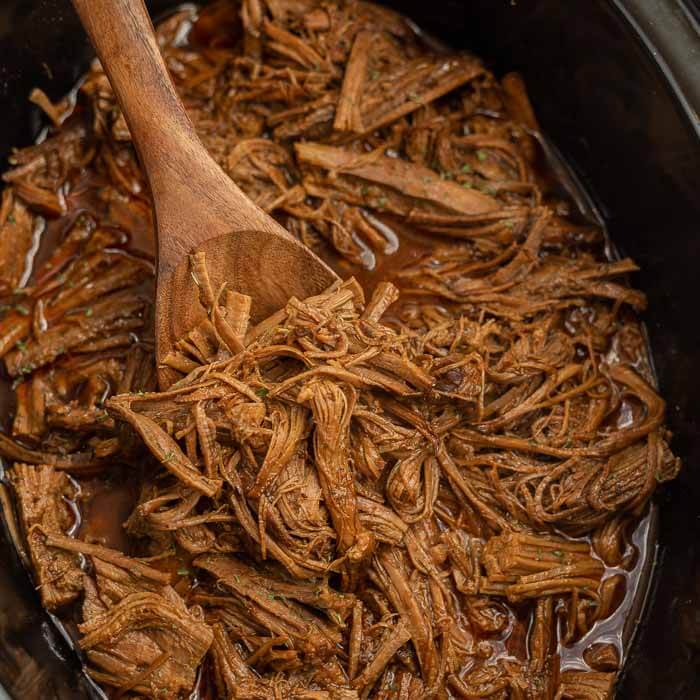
43	496
421	483
137	633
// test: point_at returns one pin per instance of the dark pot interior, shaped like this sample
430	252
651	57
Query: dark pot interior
621	121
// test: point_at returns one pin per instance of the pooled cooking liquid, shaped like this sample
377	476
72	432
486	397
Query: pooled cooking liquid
431	481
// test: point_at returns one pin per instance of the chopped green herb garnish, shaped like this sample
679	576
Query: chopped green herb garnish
381	202
335	617
26	369
558	553
21	345
482	155
486	189
168	456
466	168
262	392
88	311
183	572
11	218
374	75
22	310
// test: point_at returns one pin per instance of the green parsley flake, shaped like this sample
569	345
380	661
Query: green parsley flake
262	392
22	310
482	155
11	218
466	168
88	311
183	572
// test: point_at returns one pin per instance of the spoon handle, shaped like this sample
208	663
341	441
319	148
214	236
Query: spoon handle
123	36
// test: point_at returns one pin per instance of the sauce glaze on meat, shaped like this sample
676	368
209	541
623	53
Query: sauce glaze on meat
422	483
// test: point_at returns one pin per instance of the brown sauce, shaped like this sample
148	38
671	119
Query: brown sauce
102	506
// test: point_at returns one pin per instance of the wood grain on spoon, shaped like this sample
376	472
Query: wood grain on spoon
197	206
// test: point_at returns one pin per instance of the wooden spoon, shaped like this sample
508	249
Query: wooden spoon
197	206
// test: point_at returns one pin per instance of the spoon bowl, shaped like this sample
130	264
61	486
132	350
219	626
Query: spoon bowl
198	208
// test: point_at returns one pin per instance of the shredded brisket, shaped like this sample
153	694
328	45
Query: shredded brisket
418	484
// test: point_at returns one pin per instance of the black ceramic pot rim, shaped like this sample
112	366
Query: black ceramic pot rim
670	32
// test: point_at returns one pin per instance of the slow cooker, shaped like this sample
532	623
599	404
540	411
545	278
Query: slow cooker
616	86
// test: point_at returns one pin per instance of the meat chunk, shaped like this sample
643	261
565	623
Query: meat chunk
137	633
527	566
43	496
270	605
17	230
332	409
147	643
